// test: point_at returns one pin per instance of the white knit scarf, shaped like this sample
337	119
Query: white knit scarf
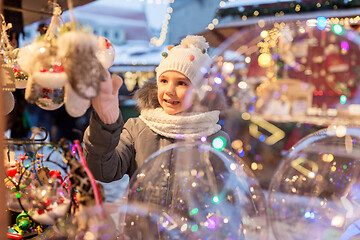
186	125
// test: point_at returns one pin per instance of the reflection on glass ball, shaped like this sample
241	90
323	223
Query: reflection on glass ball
106	52
315	191
212	191
51	99
17	196
147	221
17	183
91	222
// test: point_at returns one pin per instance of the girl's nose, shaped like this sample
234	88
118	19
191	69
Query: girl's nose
170	89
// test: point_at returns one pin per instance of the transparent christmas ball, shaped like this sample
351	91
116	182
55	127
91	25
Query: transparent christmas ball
212	191
315	191
105	52
49	202
51	99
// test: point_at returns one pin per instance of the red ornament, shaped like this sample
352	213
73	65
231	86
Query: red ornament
11	172
58	68
191	57
107	44
47	203
40	211
56	174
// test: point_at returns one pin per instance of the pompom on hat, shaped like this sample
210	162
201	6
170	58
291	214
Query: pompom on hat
187	58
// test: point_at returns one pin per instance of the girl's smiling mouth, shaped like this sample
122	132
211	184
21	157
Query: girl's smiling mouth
171	102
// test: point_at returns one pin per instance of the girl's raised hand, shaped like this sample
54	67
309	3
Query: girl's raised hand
106	104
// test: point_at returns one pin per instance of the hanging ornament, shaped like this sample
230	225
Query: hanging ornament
50	99
35	59
9	102
8	54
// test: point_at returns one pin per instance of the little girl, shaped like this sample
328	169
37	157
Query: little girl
167	115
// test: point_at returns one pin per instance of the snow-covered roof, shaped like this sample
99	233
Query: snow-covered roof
138	53
132	20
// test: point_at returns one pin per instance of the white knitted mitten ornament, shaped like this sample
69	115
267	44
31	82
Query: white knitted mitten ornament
75	106
106	104
84	70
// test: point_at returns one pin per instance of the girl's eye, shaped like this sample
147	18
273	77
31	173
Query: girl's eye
163	80
182	83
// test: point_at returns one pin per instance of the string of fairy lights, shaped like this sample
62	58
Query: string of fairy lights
159	41
240	11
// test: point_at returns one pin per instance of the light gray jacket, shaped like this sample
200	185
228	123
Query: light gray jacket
112	150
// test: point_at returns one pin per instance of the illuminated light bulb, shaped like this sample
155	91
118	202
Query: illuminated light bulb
340	131
242	85
264	34
245	116
343	99
264	60
219	143
236	144
228	67
345	45
218	80
254	166
337	29
321	23
194	228
194	211
215	199
203	139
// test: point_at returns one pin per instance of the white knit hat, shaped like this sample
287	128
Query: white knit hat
189	58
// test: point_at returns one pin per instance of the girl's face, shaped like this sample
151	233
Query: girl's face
173	88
